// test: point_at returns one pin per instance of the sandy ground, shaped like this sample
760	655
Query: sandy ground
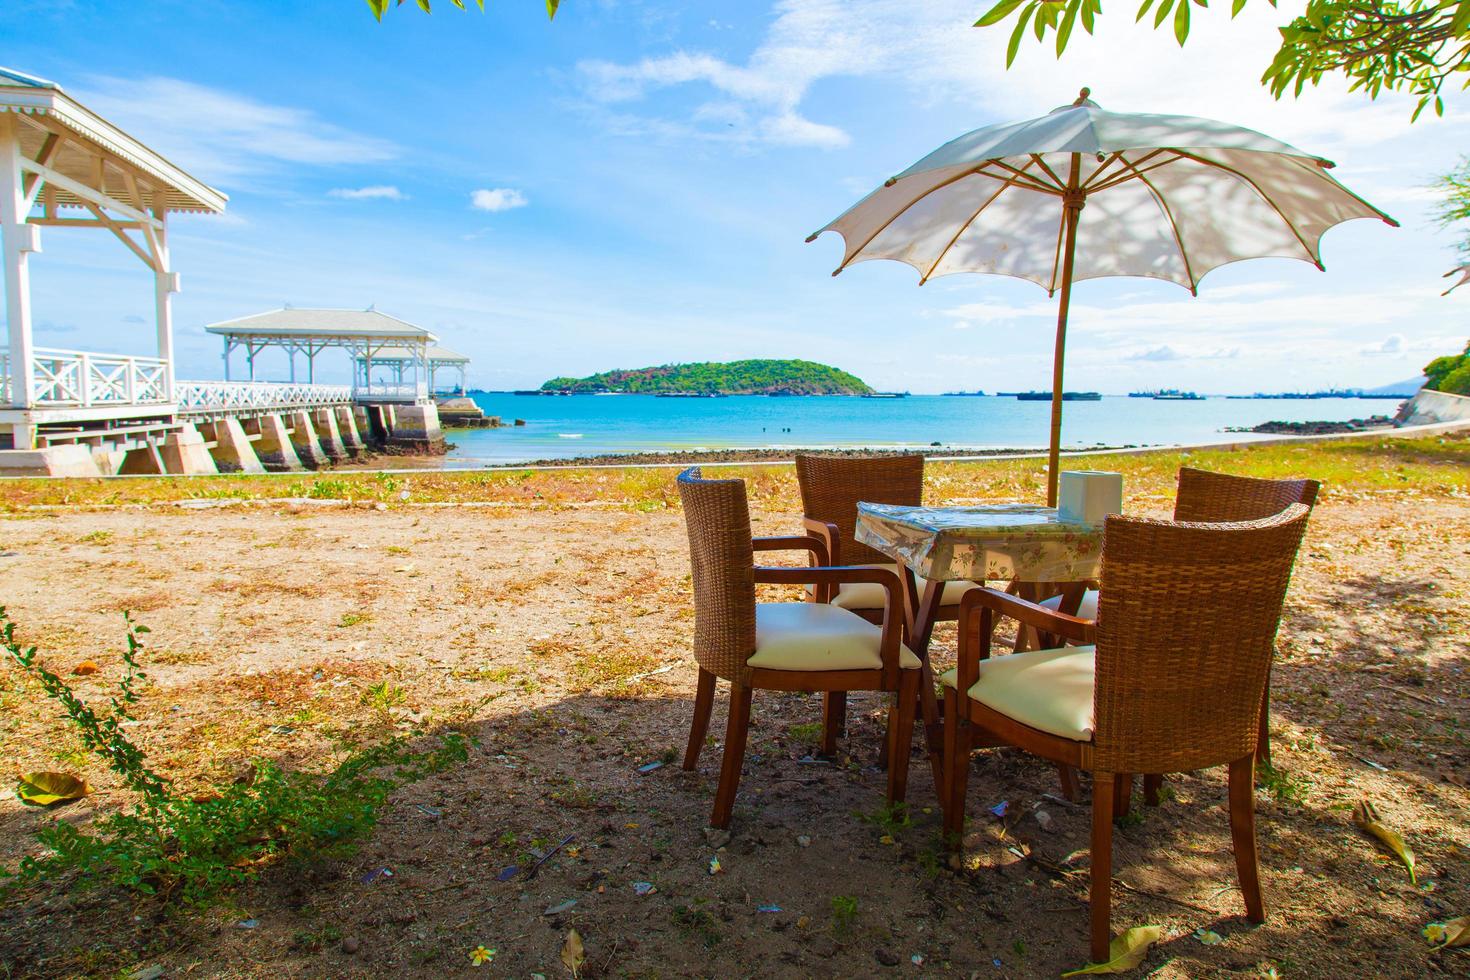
546	631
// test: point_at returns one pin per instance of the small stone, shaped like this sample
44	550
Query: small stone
716	838
803	840
1045	821
886	956
350	945
146	973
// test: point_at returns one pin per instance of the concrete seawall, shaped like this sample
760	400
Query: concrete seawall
1428	407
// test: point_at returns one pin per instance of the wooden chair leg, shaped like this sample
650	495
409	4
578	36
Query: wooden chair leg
734	758
900	739
1263	735
834	719
704	703
1122	794
1071	786
1152	785
1100	895
957	739
1243	835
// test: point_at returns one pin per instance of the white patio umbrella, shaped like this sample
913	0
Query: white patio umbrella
1082	193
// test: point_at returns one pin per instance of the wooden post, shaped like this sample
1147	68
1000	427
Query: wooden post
165	284
19	240
1072	202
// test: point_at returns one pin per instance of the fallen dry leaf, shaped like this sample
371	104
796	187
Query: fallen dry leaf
1365	815
1125	952
84	668
46	788
1449	935
573	954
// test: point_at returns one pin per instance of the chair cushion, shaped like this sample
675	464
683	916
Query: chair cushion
818	636
1050	690
870	595
1087	609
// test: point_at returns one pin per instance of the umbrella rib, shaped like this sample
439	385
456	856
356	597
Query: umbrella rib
1096	174
965	226
1041	162
1056	259
1027	179
1123	178
1173	226
1265	197
895	216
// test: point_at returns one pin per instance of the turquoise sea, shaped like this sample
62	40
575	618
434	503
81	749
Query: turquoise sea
587	425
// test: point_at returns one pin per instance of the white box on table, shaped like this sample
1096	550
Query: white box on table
1089	495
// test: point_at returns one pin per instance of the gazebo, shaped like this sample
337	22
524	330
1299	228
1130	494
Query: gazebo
399	360
368	336
58	158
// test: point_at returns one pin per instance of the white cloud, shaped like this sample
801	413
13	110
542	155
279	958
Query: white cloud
1168	352
220	135
1392	344
497	199
386	192
932	50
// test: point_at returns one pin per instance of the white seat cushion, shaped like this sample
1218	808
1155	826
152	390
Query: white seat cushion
818	636
1050	690
1087	609
870	595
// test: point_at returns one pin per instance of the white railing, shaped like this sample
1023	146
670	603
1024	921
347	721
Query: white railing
392	392
75	378
198	396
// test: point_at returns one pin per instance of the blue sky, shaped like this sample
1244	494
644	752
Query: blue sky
632	185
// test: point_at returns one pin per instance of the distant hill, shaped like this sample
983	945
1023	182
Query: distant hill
756	377
1406	387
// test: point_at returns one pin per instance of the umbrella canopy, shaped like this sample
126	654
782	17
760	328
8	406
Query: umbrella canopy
1082	193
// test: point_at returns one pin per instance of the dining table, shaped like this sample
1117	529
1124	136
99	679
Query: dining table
1036	551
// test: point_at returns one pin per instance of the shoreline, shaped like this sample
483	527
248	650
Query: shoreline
676	457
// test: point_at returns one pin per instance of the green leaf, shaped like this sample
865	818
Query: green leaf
1181	22
1017	34
1365	815
551	6
1065	30
1125	952
46	788
1236	7
1143	9
998	13
1162	12
1461	21
379	7
1089	10
424	6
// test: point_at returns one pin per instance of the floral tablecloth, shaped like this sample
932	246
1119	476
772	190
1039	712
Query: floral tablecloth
1003	541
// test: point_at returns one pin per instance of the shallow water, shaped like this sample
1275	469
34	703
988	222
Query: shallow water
589	425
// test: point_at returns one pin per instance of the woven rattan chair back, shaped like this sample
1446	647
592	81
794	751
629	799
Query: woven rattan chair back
1186	625
1210	498
723	566
831	487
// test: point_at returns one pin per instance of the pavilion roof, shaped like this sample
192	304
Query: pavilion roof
328	325
439	355
82	147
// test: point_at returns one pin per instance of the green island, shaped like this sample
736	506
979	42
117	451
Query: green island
753	377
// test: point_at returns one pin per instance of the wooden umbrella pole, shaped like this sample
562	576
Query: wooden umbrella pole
1072	202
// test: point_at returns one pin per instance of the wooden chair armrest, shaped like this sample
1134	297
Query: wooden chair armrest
979	610
793	542
827	532
892	625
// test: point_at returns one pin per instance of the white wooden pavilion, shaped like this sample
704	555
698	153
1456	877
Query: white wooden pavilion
368	336
398	361
63	166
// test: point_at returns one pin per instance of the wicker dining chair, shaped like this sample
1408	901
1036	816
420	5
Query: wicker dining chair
782	646
1208	497
831	488
1171	682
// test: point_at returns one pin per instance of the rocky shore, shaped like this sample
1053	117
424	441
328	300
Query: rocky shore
695	457
1318	428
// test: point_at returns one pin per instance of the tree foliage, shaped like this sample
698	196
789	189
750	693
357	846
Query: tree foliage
380	7
1414	46
1450	373
754	377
